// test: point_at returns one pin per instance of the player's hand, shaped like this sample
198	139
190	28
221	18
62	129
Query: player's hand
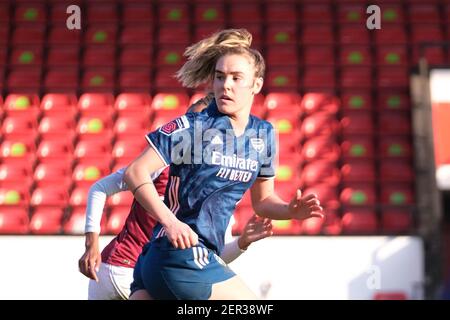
302	208
181	235
257	228
89	262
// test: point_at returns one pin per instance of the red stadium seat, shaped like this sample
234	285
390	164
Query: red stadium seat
95	101
55	173
354	77
57	102
15	172
16	196
102	13
75	223
312	226
60	35
57	125
132	80
170	56
320	148
204	30
320	171
78	196
319	123
121	199
392	77
19	123
282	79
391	34
394	147
313	12
95	126
46	220
332	224
358	171
99	56
170	103
117	219
165	80
18	148
282	56
281	12
357	146
350	34
314	102
351	13
88	173
244	12
137	12
27	56
319	79
356	56
101	34
209	13
426	33
50	195
396	221
131	123
176	12
396	170
283	101
358	194
328	195
139	33
174	34
132	102
92	148
132	56
357	122
24	80
33	13
61	80
359	221
129	148
394	122
392	56
317	34
319	55
24	35
21	102
393	100
13	220
55	149
98	80
281	34
397	193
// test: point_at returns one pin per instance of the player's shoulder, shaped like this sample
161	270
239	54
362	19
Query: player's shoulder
261	123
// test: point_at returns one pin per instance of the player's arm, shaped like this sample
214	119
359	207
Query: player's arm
255	229
268	204
90	261
137	178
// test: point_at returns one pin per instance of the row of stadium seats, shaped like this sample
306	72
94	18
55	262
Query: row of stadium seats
52	150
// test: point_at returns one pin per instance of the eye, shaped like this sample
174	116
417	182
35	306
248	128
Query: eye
219	77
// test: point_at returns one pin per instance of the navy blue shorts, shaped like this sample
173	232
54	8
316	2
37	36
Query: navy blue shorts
168	273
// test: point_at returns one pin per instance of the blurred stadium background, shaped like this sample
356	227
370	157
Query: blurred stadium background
363	118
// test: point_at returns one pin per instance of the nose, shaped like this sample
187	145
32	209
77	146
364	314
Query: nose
227	83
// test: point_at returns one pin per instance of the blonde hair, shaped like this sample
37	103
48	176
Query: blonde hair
203	56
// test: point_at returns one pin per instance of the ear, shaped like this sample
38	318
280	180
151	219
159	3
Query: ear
257	86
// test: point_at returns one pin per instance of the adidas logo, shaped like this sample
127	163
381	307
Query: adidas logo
216	140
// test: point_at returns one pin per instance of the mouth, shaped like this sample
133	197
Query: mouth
225	98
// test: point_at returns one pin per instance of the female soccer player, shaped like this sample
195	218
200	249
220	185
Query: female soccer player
111	272
214	157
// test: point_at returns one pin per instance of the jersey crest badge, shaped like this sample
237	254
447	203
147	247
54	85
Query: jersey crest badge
257	144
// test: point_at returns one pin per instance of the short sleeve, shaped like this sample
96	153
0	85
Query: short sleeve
169	135
267	169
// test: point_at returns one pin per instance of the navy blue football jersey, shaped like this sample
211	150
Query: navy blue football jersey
211	168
